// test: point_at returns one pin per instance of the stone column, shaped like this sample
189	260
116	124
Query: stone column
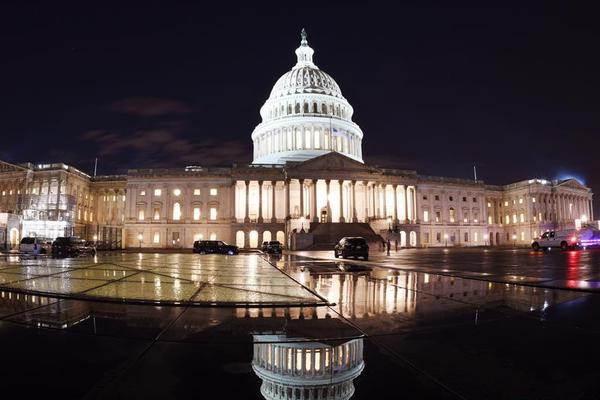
366	185
301	181
234	201
395	187
384	191
328	183
287	199
414	204
273	215
260	201
313	204
247	201
353	200
405	204
375	200
341	183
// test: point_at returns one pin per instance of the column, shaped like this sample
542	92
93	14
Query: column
405	204
273	215
414	204
287	199
260	201
375	205
366	185
395	187
328	182
301	181
233	205
384	191
341	183
313	204
247	201
353	200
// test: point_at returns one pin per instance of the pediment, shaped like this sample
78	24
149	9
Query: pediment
573	184
332	162
8	167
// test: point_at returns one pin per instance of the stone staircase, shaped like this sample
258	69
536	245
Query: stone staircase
326	235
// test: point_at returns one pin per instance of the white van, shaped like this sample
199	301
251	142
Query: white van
567	239
35	245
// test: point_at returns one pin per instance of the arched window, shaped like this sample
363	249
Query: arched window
240	239
315	108
323	108
176	211
297	108
281	237
306	108
266	236
289	109
253	239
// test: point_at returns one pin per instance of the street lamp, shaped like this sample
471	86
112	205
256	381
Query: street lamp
140	239
514	240
485	239
390	224
302	219
446	239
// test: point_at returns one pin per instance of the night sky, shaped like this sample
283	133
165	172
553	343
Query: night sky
435	87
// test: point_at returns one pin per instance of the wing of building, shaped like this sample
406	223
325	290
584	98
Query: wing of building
307	186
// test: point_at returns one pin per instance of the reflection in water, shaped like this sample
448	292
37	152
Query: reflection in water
306	369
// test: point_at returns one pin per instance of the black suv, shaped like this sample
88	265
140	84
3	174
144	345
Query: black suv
71	246
272	247
214	247
352	247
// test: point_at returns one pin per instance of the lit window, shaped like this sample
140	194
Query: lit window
142	192
157	192
465	220
10	192
507	219
506	204
522	217
156	216
438	216
522	235
177	192
489	219
452	214
196	213
489	204
141	214
123	197
196	192
426	216
514	218
114	198
213	191
156	238
521	201
475	236
533	199
213	236
176	211
213	213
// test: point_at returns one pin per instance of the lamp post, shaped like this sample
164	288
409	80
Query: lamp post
140	239
390	224
485	239
446	239
514	240
302	219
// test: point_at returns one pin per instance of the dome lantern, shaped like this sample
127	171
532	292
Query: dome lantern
304	53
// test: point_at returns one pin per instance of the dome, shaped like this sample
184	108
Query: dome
306	79
305	116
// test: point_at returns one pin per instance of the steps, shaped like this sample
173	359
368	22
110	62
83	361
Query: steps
326	235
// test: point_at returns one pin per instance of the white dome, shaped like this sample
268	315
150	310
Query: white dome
305	116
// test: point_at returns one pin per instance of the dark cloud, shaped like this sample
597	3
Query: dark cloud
163	147
150	106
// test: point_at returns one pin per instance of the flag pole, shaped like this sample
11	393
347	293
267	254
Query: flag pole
95	166
475	172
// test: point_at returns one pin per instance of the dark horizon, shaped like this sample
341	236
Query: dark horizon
436	89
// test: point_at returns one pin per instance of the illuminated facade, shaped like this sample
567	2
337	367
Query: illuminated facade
307	172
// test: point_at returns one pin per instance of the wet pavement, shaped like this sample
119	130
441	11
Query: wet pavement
368	332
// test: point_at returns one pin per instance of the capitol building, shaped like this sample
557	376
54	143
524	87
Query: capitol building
306	187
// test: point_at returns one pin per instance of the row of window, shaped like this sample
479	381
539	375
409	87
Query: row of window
175	239
177	192
450	198
315	109
451	216
177	214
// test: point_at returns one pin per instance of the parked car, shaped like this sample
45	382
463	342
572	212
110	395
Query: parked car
352	247
214	247
71	246
565	239
272	247
35	245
